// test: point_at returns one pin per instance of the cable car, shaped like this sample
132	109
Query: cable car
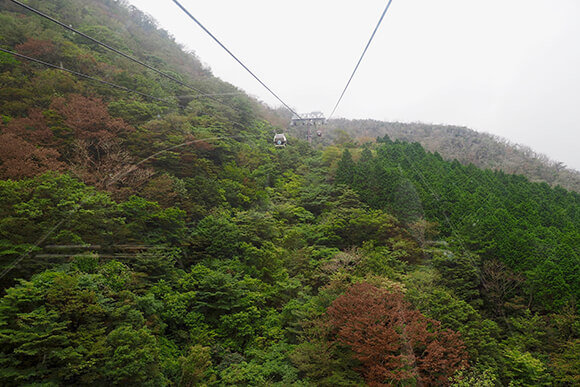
280	140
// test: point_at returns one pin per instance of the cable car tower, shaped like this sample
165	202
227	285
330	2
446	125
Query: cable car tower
310	120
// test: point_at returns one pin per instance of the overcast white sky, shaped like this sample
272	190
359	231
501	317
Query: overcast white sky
506	67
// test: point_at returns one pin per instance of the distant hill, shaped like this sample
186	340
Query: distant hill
466	145
159	238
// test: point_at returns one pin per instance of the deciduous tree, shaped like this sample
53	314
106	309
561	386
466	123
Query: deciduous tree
393	342
19	158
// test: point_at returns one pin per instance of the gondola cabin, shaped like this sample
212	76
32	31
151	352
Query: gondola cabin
280	140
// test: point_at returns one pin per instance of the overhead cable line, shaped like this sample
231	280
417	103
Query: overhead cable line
433	192
202	94
361	58
133	166
166	75
110	84
209	95
86	76
233	56
114	178
127	56
26	254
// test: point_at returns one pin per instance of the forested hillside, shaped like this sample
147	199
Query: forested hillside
151	235
465	145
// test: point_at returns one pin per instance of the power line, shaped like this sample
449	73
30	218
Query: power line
70	28
85	76
233	56
110	84
131	169
118	176
114	85
208	95
361	58
454	231
127	56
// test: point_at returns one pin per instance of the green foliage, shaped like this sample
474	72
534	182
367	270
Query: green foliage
158	262
151	223
351	226
474	378
61	327
50	199
55	209
565	364
195	367
133	357
345	173
116	275
216	236
181	248
499	216
461	274
134	112
528	333
7	61
523	369
480	335
323	363
268	366
383	261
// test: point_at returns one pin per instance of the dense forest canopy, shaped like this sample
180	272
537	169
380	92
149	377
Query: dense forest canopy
464	145
147	242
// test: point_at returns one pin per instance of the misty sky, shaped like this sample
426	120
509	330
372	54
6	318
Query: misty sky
506	67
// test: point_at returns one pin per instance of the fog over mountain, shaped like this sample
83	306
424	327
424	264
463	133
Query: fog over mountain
505	68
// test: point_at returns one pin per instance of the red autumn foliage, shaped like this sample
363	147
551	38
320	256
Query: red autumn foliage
89	118
32	145
40	49
393	342
32	128
20	159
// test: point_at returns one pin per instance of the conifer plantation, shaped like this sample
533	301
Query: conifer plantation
152	236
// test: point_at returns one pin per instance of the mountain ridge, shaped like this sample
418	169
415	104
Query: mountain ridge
172	244
467	146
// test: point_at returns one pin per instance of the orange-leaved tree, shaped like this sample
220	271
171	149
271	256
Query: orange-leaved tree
394	342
